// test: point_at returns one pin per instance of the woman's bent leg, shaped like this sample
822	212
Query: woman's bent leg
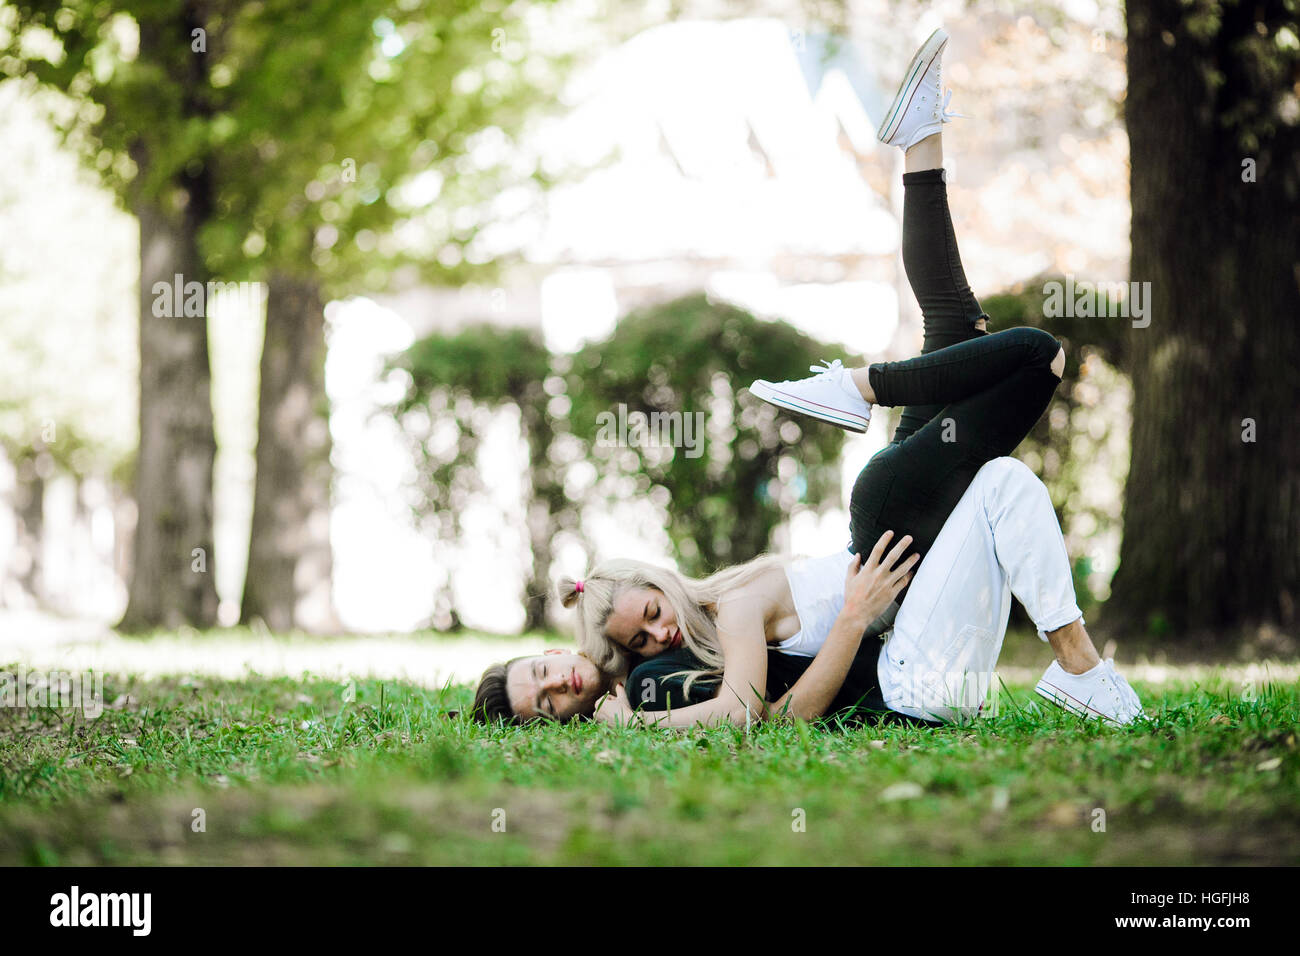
911	487
962	370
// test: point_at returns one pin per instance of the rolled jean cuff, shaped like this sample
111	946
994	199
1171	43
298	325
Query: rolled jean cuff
1058	619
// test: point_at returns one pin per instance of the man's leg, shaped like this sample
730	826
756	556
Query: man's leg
1001	539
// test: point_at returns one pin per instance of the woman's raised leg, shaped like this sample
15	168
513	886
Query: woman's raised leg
990	390
949	310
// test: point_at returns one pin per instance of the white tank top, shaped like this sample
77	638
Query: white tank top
817	586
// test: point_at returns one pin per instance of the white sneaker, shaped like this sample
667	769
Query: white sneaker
1100	693
1129	693
920	107
829	395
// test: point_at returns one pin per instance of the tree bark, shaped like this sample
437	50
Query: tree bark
546	498
1211	518
290	564
172	578
29	509
172	573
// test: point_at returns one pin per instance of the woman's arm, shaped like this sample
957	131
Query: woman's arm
867	592
744	675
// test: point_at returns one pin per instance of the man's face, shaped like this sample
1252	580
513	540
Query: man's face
644	623
558	685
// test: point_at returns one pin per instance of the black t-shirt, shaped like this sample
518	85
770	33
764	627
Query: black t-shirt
654	686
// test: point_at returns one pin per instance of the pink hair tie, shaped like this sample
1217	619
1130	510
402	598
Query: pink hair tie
577	586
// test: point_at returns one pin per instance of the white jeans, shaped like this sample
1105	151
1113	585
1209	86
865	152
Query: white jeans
1001	539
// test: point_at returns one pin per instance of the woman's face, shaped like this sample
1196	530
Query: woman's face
644	623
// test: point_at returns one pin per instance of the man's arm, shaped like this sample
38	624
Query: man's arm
867	592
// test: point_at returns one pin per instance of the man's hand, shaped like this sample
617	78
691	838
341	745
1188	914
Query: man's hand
614	708
869	588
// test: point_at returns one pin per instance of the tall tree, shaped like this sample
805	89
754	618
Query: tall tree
289	559
142	78
1212	504
283	142
344	121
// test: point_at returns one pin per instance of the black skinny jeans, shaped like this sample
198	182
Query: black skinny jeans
971	396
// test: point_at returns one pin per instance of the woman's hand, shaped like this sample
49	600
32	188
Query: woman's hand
870	587
614	708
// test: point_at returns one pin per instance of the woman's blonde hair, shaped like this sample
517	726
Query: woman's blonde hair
694	600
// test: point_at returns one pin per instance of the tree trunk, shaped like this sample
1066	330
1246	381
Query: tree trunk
290	564
545	498
1212	504
29	510
172	573
172	579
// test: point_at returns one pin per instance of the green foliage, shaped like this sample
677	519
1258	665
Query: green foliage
307	122
347	119
691	356
454	383
486	363
683	357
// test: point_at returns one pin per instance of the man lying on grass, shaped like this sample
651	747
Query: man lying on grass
814	659
561	685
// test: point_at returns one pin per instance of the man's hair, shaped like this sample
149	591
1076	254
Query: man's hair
491	700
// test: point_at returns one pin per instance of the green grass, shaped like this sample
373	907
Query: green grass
288	772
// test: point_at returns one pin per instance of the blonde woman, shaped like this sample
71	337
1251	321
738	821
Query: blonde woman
978	524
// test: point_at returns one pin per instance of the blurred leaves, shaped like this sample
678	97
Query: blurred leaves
683	357
759	463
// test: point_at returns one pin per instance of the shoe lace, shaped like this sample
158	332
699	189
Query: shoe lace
835	366
942	113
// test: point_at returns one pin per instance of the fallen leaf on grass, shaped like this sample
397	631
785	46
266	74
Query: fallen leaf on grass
902	791
1270	764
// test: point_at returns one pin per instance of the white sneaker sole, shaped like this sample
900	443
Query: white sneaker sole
849	421
1063	699
920	64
